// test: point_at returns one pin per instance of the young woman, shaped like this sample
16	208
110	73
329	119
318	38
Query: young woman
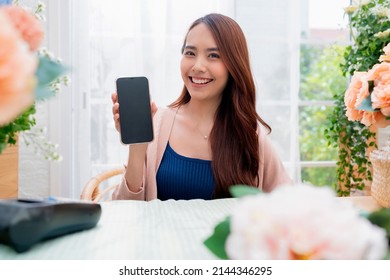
211	137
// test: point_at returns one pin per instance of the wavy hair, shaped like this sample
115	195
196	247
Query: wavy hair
233	138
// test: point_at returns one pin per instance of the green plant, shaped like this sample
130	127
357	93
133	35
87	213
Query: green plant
9	132
369	25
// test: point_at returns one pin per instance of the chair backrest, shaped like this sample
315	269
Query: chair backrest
93	190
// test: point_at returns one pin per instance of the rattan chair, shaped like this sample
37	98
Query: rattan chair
93	190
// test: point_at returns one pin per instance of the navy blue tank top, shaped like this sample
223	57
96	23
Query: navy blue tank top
180	177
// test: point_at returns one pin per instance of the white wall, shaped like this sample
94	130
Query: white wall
34	170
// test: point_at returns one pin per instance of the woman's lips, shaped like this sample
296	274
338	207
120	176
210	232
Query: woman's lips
200	81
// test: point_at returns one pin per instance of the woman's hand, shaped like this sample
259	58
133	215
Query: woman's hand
115	110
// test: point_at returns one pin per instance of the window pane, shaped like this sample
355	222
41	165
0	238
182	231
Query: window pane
313	144
319	176
272	71
281	130
321	76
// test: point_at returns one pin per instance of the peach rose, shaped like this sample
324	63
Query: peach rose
17	69
380	74
355	94
386	111
381	96
386	56
374	118
28	26
302	222
381	93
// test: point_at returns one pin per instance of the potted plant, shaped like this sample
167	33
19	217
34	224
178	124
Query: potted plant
370	32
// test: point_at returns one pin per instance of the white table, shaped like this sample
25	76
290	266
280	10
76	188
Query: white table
138	230
366	203
145	231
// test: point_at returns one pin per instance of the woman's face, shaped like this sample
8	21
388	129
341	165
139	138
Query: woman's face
203	72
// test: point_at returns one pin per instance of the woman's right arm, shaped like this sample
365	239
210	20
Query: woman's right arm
134	174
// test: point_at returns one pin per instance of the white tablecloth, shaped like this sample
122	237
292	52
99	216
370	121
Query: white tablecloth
138	230
146	231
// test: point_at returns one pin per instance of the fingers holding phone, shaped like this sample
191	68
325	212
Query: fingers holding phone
115	111
153	108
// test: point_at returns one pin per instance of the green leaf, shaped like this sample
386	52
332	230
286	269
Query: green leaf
243	190
2	146
381	218
48	70
43	92
216	242
387	257
366	105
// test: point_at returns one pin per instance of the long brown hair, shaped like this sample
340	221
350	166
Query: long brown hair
234	140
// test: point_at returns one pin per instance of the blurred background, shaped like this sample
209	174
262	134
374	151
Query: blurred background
295	48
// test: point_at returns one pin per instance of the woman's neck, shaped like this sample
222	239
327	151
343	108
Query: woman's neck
201	112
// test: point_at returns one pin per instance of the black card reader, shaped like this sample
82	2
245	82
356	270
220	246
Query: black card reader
25	222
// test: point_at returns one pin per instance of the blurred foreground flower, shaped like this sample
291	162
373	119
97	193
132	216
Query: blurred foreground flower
297	222
26	74
17	71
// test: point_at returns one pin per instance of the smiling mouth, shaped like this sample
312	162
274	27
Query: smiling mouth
200	81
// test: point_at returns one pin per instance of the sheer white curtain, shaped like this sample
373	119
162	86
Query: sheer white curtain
124	38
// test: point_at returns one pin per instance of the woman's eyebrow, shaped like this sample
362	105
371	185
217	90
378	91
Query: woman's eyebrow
214	49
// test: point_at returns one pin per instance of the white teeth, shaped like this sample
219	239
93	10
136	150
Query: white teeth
200	81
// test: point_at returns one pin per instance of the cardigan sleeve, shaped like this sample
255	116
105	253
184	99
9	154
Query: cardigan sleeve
122	192
271	170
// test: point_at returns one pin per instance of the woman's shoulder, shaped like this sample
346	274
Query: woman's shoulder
165	113
164	118
262	131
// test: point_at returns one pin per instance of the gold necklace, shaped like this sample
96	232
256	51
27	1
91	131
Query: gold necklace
205	137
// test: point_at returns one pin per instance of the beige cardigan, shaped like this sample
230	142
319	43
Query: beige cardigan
271	170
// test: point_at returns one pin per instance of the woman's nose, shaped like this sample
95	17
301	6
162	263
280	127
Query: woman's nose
199	65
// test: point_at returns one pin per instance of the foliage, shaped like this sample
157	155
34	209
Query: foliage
320	72
353	138
9	132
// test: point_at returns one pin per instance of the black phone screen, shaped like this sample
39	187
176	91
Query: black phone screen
135	115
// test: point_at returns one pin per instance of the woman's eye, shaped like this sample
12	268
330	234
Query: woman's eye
190	53
214	55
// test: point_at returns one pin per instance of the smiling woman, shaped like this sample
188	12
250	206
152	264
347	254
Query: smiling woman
105	41
218	95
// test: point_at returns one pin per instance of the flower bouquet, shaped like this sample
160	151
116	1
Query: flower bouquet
368	100
27	73
299	222
368	96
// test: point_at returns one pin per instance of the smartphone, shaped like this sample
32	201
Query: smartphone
135	115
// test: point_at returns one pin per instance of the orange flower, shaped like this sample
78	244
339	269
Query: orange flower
28	26
381	97
17	69
386	56
356	89
374	109
377	118
381	93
